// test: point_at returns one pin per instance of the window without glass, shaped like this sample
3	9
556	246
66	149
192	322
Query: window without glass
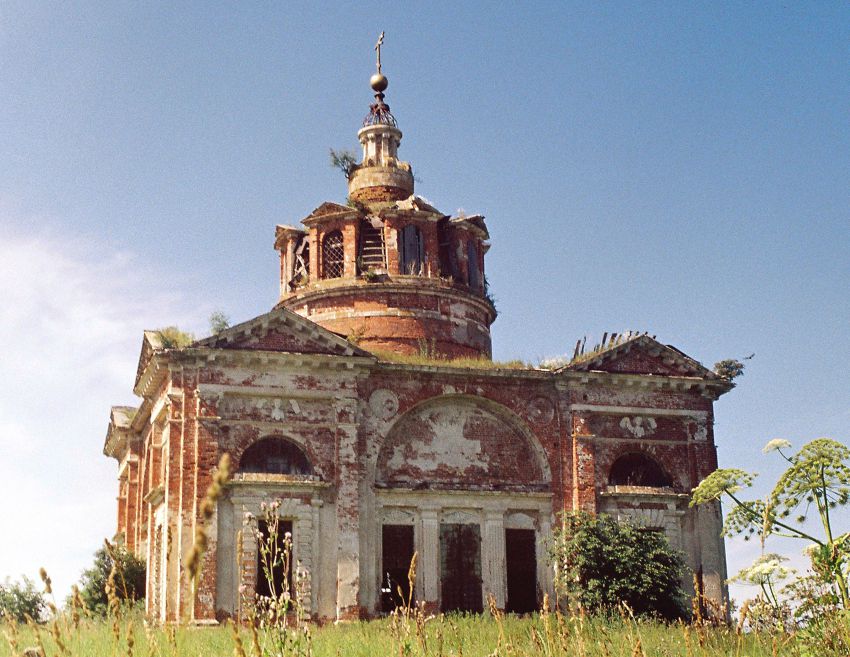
301	266
638	470
411	253
472	264
275	456
333	255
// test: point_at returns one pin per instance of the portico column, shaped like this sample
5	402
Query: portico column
428	576
494	575
545	570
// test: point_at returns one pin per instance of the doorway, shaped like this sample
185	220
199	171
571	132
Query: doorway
521	562
274	586
397	552
460	568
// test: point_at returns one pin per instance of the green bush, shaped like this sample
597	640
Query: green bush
129	578
602	563
21	599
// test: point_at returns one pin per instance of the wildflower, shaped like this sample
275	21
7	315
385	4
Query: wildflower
728	480
775	445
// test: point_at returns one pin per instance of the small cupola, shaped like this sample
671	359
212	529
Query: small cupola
380	176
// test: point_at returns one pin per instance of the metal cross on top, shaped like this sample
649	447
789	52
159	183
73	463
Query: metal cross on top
378	50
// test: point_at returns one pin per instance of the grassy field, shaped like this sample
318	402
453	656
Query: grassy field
467	636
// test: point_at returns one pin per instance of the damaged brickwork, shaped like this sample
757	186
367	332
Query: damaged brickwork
464	465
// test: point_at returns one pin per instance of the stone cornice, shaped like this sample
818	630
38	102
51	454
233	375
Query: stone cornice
283	359
709	388
398	284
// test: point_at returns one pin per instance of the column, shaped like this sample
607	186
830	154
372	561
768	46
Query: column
348	525
494	573
428	570
545	570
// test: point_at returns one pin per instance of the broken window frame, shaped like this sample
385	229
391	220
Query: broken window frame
411	251
473	274
301	266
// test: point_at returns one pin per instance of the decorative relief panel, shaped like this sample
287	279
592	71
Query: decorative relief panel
698	430
396	516
460	517
384	403
634	427
639	426
275	409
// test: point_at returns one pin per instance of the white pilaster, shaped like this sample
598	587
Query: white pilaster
428	575
493	549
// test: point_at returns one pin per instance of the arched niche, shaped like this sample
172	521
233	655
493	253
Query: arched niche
638	469
460	442
274	455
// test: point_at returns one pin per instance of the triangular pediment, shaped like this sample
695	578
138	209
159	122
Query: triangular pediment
641	355
284	331
328	208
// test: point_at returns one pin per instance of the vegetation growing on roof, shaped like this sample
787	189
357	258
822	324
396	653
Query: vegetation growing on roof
172	337
345	161
218	322
434	361
730	368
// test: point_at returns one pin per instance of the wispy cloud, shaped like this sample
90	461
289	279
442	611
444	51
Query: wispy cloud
71	317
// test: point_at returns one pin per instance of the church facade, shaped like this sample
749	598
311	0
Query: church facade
366	402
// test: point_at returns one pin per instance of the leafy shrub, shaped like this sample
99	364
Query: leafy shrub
21	599
602	563
218	322
129	578
172	337
729	368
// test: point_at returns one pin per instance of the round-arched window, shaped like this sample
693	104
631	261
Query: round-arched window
275	456
638	469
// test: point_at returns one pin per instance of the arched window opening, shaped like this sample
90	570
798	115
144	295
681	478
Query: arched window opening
301	266
333	255
472	264
638	470
371	254
411	251
275	456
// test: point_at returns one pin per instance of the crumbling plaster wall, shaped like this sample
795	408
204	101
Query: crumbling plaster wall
499	448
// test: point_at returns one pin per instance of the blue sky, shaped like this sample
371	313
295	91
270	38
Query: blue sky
677	168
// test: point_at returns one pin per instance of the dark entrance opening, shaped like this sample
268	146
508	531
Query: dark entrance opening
397	551
273	560
460	567
521	561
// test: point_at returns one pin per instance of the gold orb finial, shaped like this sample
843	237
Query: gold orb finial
379	82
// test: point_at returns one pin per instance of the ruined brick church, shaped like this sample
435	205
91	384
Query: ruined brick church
376	457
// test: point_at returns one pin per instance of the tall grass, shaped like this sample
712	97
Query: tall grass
444	635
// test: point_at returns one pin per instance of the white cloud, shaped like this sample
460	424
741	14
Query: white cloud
71	317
